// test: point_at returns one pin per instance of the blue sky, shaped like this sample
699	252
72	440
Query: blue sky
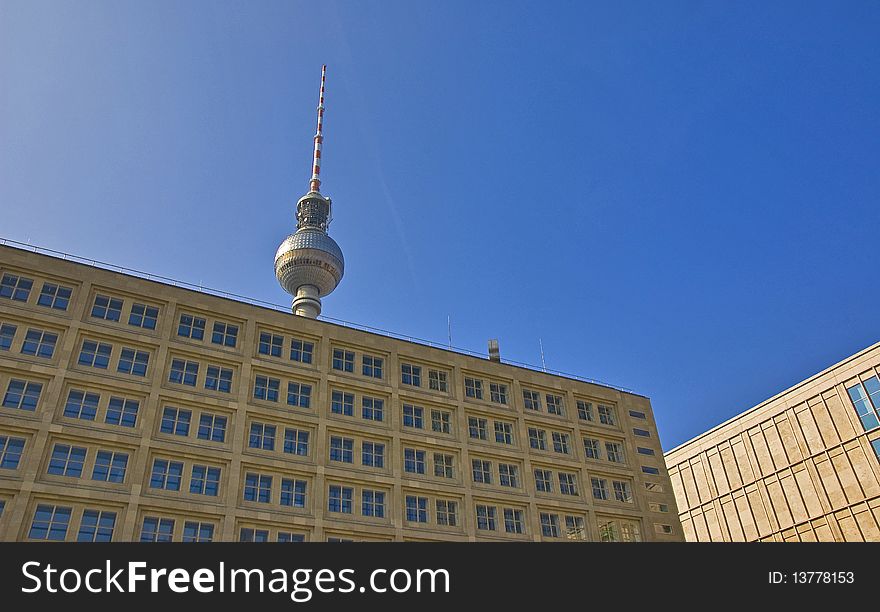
677	197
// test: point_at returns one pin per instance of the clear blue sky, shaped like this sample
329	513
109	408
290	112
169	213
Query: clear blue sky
678	197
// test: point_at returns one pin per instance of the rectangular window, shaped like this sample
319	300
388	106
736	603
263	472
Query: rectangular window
373	454
302	351
473	388
205	480
447	512
50	522
191	326
574	528
561	443
606	415
257	488
373	409
253	535
373	503
485	518
288	536
11	450
413	461
875	444
568	484
654	487
654	507
16	288
107	308
413	416
166	475
266	388
437	381
411	374
96	526
262	436
39	343
175	421
218	379
339	499
477	428
95	354
133	361
622	491
614	451
555	405
498	393
184	372
195	531
22	394
591	448
122	411
585	410
296	442
645	451
443	465
293	493
270	344
549	525
600	488
513	520
537	438
54	296
343	360
7	333
157	529
441	421
342	403
416	509
637	415
544	481
143	316
341	449
650	470
299	394
372	366
508	475
67	461
224	334
531	400
81	405
212	427
867	405
482	471
503	432
642	432
110	466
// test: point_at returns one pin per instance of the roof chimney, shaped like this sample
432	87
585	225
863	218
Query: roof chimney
494	353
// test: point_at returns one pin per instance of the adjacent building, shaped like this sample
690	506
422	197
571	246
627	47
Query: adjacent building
801	466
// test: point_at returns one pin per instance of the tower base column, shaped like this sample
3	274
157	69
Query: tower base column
307	302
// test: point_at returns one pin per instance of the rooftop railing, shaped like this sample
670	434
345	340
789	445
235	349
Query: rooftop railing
286	309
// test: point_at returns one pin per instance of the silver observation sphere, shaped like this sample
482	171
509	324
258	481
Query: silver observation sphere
309	257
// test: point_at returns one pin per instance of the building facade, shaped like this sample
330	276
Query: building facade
802	466
138	410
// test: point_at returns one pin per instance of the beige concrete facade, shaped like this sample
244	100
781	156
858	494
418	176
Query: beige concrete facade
799	467
93	427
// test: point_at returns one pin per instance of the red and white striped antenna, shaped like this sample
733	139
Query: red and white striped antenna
315	183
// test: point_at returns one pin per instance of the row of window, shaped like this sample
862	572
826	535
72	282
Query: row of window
52	522
18	288
271	344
